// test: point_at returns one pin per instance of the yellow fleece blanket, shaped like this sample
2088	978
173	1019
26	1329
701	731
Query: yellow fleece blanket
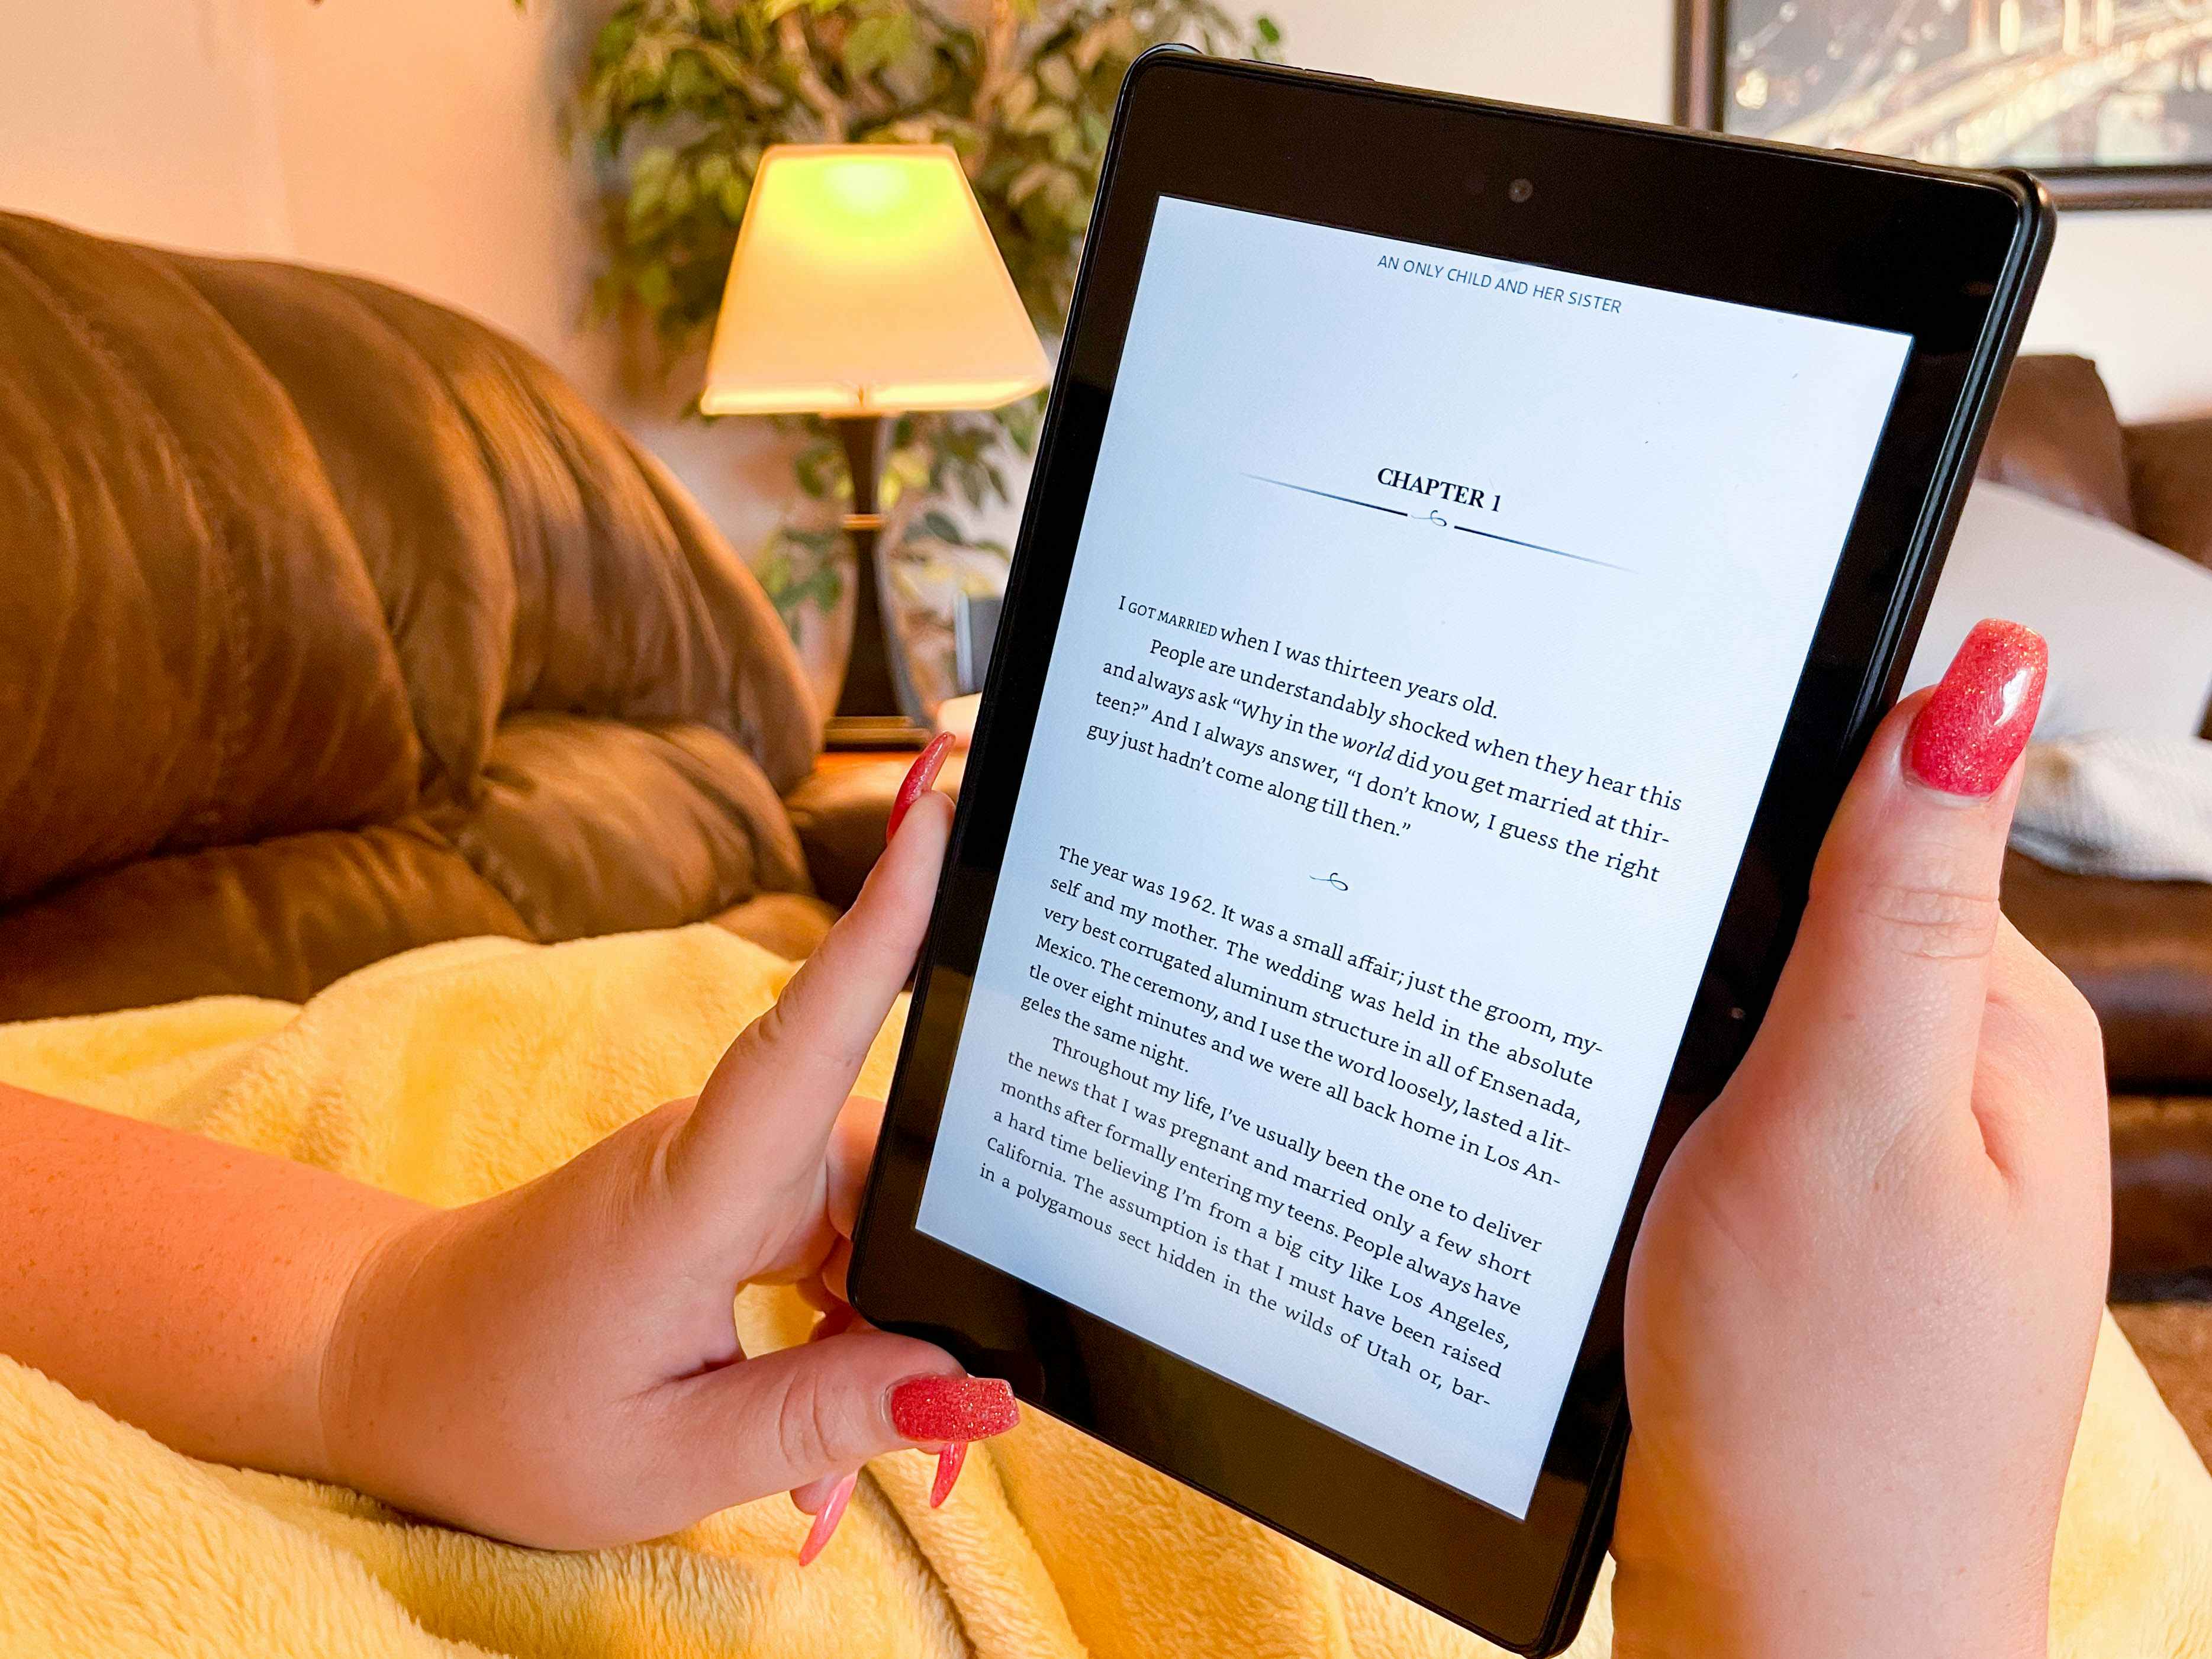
456	1071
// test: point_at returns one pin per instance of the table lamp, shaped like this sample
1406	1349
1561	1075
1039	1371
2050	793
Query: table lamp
865	284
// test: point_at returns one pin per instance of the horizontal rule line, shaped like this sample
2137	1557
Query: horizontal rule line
1534	547
1400	512
1349	500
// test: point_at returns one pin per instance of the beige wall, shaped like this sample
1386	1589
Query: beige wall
148	118
418	140
2134	290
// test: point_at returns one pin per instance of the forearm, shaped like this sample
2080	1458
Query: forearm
188	1287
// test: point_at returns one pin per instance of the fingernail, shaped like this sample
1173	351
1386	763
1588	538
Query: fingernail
944	1409
1966	737
827	1517
949	1460
918	778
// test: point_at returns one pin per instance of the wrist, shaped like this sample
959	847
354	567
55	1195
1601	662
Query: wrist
1764	1611
367	1336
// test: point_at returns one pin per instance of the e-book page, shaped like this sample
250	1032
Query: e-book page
1431	630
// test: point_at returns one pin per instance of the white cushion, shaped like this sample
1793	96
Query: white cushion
2129	623
2118	804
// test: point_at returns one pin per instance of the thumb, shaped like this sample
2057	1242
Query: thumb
1887	981
786	1419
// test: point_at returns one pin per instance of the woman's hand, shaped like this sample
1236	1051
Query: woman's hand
1863	1305
559	1364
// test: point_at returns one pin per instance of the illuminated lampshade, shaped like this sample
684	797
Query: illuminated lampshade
866	282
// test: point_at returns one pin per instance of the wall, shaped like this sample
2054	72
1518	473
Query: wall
150	118
2134	290
417	140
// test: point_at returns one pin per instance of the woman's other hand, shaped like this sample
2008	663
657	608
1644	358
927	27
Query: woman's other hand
1863	1304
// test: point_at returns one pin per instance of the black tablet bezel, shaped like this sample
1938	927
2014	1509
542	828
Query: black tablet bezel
1948	257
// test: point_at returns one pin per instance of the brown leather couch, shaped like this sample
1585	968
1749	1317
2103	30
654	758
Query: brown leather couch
334	624
2141	951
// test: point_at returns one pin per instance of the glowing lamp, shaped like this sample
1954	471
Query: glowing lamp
865	284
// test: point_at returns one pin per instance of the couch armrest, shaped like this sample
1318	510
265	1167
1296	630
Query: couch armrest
2054	435
2170	474
2141	951
2161	1190
839	810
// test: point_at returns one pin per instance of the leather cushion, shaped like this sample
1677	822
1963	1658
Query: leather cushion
192	652
840	813
289	551
2056	435
590	826
404	466
2141	951
769	705
282	919
2169	464
628	604
2162	1185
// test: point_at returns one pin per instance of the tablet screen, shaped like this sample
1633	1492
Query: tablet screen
1429	636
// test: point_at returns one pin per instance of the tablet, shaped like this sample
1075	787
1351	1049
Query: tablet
1469	547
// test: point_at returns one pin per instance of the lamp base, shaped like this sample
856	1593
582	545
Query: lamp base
873	732
876	705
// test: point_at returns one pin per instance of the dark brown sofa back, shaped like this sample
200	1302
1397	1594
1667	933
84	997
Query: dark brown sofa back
2057	435
334	623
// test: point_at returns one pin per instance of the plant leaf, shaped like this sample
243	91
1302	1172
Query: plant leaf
1028	181
875	43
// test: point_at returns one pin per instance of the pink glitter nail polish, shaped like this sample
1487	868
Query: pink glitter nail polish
827	1517
949	1460
944	1409
1966	737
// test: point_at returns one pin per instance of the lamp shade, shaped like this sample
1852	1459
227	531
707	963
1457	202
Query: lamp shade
866	282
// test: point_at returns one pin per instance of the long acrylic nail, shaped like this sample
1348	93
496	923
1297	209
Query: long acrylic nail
827	1517
1967	735
946	1408
916	784
949	1457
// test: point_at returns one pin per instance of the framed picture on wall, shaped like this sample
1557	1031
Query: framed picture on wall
2110	101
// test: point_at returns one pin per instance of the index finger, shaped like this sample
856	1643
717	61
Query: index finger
764	1118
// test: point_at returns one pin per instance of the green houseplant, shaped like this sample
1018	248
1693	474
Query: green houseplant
681	98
